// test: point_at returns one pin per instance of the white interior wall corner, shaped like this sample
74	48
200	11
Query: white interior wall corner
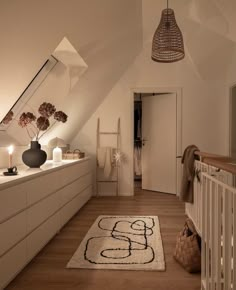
204	118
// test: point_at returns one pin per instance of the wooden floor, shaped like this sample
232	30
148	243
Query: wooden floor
47	271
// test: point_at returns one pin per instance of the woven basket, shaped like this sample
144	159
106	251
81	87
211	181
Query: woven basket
76	154
187	252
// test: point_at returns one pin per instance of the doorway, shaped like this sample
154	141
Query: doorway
157	140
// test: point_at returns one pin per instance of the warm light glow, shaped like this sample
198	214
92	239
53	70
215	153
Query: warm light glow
10	149
57	154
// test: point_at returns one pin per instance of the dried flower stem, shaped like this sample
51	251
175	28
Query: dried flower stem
47	130
28	133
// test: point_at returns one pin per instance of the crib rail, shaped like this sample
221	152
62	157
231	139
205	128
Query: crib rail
194	210
214	215
218	233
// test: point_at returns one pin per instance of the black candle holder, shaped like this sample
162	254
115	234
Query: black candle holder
11	171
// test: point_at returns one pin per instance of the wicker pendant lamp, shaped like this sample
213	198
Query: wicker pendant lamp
168	44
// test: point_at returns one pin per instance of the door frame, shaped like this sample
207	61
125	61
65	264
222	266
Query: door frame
179	96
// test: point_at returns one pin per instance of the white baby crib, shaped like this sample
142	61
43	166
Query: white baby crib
214	215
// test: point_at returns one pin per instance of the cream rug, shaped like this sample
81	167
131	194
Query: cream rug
122	243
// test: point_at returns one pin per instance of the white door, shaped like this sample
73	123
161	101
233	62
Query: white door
159	143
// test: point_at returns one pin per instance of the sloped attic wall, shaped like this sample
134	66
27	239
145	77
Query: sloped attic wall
107	38
205	97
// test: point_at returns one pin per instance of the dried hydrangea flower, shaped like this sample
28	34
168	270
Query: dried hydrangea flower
60	116
42	123
46	110
26	118
8	118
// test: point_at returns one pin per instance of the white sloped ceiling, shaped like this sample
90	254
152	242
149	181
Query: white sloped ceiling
106	33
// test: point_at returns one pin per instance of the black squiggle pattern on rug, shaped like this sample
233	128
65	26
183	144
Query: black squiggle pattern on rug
139	229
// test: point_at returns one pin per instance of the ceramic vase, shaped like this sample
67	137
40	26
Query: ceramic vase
35	156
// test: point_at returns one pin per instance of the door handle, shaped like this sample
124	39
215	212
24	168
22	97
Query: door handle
179	156
143	141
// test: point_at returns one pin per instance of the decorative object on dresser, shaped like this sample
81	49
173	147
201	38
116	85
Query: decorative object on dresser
75	154
11	170
57	144
121	243
35	156
36	128
10	150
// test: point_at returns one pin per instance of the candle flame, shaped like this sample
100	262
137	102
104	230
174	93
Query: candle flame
10	149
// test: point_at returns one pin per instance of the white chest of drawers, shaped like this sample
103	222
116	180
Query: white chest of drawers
34	206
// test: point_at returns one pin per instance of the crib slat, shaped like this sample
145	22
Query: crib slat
212	234
196	200
227	239
200	203
218	223
207	227
203	227
234	242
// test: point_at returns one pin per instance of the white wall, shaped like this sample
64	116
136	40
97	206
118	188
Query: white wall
107	39
205	108
108	45
203	76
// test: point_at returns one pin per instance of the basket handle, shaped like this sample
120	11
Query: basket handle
191	226
67	152
187	229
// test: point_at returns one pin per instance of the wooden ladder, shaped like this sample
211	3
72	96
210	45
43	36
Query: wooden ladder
117	174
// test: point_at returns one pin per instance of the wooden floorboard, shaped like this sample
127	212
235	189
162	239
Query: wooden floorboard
47	270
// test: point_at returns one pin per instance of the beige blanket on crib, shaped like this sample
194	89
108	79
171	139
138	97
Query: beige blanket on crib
186	192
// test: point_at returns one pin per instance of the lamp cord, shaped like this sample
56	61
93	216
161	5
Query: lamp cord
167	12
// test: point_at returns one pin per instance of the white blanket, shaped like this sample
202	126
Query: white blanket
105	159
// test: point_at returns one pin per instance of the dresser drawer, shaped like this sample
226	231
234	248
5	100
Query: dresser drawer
73	172
42	186
74	205
39	212
12	263
40	237
12	231
70	191
12	200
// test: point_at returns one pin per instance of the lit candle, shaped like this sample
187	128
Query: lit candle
10	152
57	154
